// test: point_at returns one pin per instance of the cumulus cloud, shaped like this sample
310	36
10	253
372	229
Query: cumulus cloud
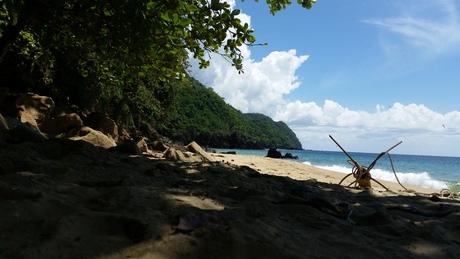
263	84
422	130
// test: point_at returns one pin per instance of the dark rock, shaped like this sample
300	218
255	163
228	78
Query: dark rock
127	147
102	123
61	124
273	153
290	156
25	132
159	145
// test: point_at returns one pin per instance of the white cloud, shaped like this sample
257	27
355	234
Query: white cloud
399	116
434	34
422	130
263	86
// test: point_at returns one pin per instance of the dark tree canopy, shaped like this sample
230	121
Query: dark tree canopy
118	56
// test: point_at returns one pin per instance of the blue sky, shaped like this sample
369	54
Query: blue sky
370	73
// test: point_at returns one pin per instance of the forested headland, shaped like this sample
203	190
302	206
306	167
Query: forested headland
198	113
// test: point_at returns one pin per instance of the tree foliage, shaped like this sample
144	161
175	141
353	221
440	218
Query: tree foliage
199	114
119	56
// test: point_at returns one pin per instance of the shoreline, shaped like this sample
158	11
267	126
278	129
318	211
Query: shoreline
339	151
300	171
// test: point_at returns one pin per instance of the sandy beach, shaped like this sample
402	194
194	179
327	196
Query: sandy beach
298	171
69	199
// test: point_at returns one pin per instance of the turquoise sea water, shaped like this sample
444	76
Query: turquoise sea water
435	172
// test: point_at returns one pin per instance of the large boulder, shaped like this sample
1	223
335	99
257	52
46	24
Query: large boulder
273	153
61	124
102	123
177	155
195	148
92	136
173	154
34	108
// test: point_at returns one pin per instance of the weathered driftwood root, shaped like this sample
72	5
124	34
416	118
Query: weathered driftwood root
362	174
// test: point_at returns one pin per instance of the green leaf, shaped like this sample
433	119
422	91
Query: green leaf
184	22
192	8
236	12
151	5
166	17
175	18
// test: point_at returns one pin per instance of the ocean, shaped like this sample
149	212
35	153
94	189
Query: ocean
437	172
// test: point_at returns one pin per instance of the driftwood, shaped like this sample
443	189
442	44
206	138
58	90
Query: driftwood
362	174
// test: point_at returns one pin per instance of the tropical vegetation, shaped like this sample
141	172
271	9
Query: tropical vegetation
119	57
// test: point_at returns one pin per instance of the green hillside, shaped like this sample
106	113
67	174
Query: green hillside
199	114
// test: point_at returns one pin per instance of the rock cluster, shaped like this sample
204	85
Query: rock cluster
274	153
29	117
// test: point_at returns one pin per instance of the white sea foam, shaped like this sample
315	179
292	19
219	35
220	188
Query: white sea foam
418	179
